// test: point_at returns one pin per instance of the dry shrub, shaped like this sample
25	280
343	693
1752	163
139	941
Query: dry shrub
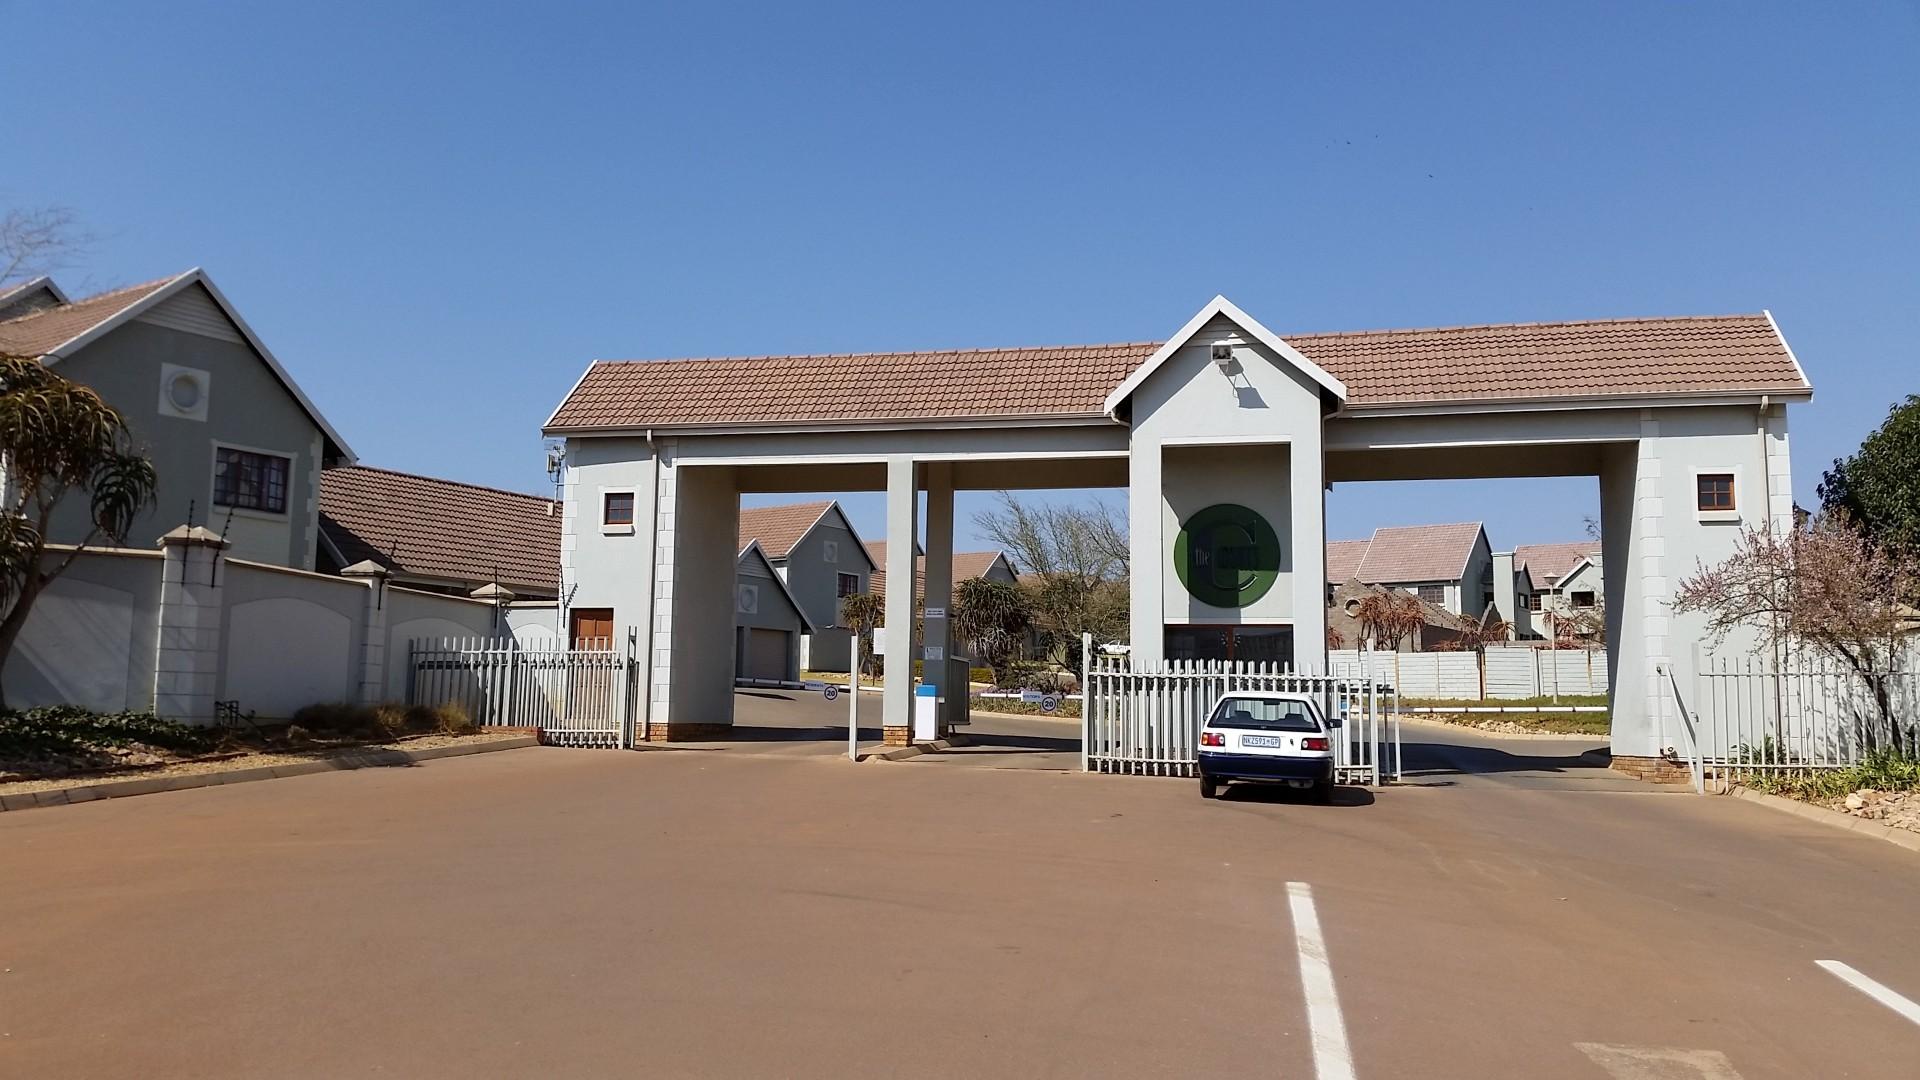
454	720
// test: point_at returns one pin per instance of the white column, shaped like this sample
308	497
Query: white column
694	584
186	670
1150	558
896	699
373	630
1308	554
939	632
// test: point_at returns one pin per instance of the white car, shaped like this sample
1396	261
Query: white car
1267	737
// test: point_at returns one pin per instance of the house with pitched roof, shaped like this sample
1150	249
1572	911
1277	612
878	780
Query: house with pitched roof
1568	600
1449	567
439	535
237	446
769	625
967	565
1226	436
813	548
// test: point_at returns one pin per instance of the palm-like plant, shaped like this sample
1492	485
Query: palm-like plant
57	437
860	613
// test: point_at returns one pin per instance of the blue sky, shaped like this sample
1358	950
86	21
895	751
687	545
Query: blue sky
436	218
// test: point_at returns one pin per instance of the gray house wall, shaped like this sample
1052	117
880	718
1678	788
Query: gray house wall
814	581
247	408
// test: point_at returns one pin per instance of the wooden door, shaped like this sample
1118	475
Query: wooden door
590	682
592	628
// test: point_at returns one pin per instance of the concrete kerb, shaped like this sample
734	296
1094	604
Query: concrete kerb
119	789
1407	718
1905	838
901	753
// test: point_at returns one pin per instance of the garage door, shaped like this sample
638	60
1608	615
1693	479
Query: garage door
767	654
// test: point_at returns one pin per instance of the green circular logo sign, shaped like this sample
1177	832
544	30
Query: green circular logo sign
1227	556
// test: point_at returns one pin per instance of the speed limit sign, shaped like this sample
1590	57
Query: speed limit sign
1049	703
831	692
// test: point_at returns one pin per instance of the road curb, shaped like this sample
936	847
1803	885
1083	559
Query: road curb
902	753
371	757
1905	838
1410	718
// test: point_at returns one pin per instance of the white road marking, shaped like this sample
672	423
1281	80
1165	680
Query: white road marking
1658	1062
1879	992
1331	1058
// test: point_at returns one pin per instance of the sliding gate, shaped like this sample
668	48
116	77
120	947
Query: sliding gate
1148	722
584	696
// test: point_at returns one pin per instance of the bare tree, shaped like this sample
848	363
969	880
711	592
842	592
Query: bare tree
1826	587
39	241
1085	541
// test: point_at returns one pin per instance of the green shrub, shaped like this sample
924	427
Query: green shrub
1068	707
69	729
1881	770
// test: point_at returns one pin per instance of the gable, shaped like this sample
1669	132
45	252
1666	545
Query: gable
1221	322
193	310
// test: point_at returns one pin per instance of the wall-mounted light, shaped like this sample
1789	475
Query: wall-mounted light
1223	357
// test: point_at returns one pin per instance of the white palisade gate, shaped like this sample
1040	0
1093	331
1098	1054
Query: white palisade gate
1147	723
583	696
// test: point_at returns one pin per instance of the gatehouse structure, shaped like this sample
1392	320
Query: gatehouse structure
1226	437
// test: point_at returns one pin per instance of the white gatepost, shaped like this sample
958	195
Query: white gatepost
186	669
373	630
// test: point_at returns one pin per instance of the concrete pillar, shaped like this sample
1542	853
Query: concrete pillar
186	670
1305	552
939	646
896	698
373	631
1633	567
694	646
1151	557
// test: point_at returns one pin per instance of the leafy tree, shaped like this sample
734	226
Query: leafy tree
57	438
994	617
1827	587
860	613
1076	556
1878	488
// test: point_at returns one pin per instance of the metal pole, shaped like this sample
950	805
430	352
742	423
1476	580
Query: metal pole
853	701
1086	695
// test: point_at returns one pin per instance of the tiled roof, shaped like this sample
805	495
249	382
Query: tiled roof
441	528
1548	563
1413	553
966	565
1343	559
41	332
1379	368
778	528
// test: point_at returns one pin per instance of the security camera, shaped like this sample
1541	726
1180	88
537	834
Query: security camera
1222	356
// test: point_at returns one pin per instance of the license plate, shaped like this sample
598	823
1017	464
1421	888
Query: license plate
1269	741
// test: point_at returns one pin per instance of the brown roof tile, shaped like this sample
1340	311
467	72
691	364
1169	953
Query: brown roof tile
1548	563
1412	553
441	528
1343	559
41	332
1379	368
778	528
966	566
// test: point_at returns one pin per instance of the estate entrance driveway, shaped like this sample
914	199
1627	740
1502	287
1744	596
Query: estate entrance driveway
550	912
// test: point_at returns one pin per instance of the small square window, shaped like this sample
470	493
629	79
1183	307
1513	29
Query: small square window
849	584
1433	594
1714	491
618	508
1533	602
250	481
1583	598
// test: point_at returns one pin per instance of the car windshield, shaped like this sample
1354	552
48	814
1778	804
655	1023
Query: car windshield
1264	714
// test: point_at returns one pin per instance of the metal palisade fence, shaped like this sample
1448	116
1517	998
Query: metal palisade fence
1147	722
583	696
1749	715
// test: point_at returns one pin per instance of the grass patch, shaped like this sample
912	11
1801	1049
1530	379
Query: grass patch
1883	770
1564	699
1541	723
1068	707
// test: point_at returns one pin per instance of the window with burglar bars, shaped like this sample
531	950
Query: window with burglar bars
250	481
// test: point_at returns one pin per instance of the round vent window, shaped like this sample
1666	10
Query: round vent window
184	392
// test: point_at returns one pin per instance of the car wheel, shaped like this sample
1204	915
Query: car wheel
1209	787
1323	791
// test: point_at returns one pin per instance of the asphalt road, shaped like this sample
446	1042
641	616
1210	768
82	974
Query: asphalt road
1510	912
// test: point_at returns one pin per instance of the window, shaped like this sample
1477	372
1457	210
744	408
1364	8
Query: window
617	508
1533	602
1432	594
1583	598
250	481
1714	491
1264	714
849	584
